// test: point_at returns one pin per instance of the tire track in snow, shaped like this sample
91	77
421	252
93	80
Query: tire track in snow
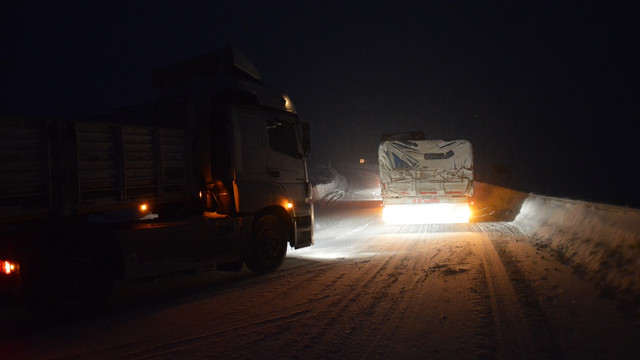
393	306
484	336
370	308
520	327
246	320
513	338
168	349
336	327
546	344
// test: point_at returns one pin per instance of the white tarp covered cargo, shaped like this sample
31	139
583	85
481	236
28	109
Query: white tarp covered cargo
425	170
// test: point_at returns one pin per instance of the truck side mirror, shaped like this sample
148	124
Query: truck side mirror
306	139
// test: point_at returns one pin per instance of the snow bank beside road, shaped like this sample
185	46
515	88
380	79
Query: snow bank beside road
600	241
331	189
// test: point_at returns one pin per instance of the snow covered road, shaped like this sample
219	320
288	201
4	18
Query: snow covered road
365	290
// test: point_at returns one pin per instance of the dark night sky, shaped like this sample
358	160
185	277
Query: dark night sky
546	92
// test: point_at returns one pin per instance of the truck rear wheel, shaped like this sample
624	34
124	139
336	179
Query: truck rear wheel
269	245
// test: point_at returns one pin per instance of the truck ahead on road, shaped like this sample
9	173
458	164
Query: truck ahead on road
425	181
211	175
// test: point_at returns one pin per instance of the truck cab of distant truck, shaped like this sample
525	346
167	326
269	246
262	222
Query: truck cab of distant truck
212	175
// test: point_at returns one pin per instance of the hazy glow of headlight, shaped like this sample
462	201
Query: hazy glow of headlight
426	214
9	267
329	253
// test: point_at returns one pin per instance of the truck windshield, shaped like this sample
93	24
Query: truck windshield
282	136
438	156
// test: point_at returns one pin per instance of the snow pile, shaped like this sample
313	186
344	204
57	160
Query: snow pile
600	241
331	190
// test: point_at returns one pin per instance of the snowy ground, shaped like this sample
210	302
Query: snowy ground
601	242
485	290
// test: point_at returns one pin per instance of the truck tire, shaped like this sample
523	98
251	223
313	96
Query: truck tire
70	287
269	245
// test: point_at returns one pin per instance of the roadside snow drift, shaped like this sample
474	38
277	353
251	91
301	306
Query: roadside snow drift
600	241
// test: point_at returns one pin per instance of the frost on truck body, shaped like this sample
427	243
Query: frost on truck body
425	181
425	168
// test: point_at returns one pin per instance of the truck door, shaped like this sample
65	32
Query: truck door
268	161
253	190
284	159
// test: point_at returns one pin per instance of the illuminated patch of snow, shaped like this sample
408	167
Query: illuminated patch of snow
602	242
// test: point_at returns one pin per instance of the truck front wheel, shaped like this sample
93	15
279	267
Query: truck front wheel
269	245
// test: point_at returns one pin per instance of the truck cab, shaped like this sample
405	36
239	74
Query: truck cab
211	175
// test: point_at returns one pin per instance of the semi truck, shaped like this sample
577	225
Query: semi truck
425	181
211	175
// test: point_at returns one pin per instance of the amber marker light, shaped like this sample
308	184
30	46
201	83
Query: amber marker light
289	205
143	207
9	267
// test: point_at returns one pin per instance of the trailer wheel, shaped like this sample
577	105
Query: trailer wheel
269	245
69	287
